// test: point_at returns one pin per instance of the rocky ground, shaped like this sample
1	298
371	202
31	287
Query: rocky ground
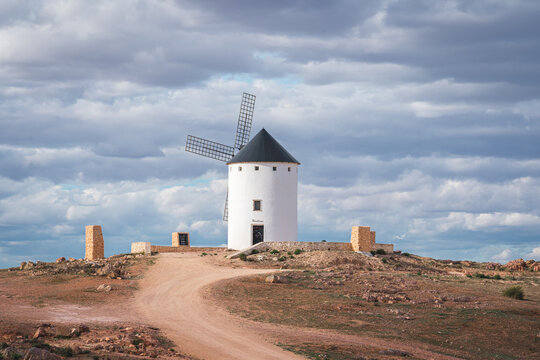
454	307
79	300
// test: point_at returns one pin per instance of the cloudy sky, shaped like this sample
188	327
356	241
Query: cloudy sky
420	119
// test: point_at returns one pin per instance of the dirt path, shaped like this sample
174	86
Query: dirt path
171	298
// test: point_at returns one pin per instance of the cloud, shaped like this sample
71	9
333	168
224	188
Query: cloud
503	256
534	254
416	118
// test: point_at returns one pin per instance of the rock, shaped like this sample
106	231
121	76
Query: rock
40	332
40	354
23	264
493	266
72	259
516	265
275	279
10	353
74	332
60	260
83	328
104	288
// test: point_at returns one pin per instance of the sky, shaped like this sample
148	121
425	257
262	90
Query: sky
420	119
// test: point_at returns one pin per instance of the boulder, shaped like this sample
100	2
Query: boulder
40	354
23	264
104	288
516	265
40	332
60	260
9	353
275	279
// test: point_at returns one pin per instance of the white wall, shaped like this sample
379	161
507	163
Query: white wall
278	192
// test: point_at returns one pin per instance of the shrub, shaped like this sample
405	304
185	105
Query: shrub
297	252
243	257
64	351
323	240
3	345
281	258
289	253
274	252
373	252
380	252
480	276
384	260
204	254
254	251
406	254
514	292
497	277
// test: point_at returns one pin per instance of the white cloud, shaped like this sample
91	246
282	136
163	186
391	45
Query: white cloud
503	256
534	254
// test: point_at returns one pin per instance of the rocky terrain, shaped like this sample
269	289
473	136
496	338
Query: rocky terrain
68	292
457	308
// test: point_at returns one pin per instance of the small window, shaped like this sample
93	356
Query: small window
256	205
239	168
256	168
274	168
289	169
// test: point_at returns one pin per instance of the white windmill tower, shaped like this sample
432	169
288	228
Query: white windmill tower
261	200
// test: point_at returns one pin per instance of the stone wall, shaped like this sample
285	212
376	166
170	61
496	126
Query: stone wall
361	238
388	248
293	245
169	249
94	243
141	247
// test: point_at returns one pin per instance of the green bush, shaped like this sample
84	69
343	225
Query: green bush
204	254
15	356
3	345
406	254
480	276
281	258
384	260
323	240
373	252
254	251
243	257
274	252
289	253
380	252
297	252
64	351
514	292
497	277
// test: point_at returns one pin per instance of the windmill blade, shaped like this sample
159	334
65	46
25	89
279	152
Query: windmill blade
209	148
245	118
226	210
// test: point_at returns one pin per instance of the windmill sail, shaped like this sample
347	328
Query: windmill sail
209	148
222	152
243	129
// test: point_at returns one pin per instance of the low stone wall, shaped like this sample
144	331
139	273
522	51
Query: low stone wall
169	249
293	245
388	248
141	247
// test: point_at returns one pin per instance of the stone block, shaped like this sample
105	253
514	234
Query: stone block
141	247
361	238
94	243
180	239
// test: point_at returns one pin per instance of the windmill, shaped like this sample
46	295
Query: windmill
223	152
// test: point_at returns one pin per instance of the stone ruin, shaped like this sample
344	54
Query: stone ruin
180	242
363	239
94	243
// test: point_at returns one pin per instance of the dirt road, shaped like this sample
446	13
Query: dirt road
171	299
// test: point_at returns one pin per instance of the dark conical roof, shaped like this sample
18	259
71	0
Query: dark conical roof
263	148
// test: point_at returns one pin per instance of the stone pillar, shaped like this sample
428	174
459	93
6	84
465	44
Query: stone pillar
94	243
361	238
372	237
175	239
